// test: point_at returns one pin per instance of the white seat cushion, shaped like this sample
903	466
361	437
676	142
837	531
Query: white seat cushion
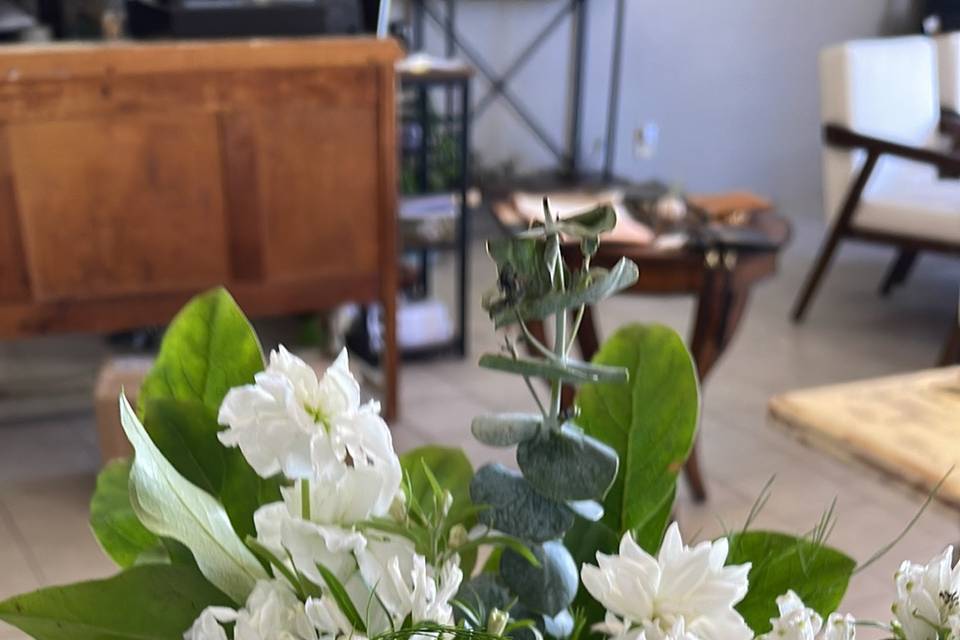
948	54
908	198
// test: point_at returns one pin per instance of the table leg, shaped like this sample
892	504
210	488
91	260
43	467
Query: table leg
719	310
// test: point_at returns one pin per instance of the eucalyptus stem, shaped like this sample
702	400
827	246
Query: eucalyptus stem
532	339
576	329
559	340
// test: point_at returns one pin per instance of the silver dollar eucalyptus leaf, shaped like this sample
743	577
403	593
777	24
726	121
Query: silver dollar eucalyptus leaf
547	589
515	507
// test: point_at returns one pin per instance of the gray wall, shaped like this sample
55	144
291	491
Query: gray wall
732	85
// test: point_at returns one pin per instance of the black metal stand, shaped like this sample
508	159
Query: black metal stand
460	122
567	153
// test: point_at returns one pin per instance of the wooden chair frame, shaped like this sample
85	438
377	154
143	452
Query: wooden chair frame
909	247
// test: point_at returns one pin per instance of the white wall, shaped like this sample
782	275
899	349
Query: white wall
732	85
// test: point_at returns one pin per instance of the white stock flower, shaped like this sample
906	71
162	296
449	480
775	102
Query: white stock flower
799	622
208	626
683	590
272	612
927	596
405	584
290	421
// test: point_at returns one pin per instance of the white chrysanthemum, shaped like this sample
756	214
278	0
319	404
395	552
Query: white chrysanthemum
684	589
799	622
272	612
927	596
292	422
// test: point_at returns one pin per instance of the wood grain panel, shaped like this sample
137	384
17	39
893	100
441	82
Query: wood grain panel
319	190
189	89
14	280
120	206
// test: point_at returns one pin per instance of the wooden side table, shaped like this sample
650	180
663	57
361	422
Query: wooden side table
720	280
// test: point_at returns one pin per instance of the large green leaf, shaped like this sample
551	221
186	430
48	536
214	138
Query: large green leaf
185	431
209	348
168	505
115	525
150	602
651	423
817	573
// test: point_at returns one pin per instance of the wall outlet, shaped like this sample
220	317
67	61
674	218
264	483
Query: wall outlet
645	140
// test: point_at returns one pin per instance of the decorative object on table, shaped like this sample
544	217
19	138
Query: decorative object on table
265	502
884	179
719	277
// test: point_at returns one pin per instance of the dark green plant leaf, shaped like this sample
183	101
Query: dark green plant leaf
149	602
567	464
521	271
817	573
598	285
651	423
570	371
588	224
515	507
481	595
115	525
506	429
208	348
547	589
339	593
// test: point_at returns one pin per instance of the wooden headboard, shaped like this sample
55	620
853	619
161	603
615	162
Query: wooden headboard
133	176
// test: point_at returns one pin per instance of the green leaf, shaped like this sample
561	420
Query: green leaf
817	573
170	506
208	348
597	285
342	598
567	464
588	224
506	429
548	588
515	507
115	525
149	602
584	541
451	469
651	423
570	371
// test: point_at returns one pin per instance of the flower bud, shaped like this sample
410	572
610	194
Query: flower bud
458	536
398	508
497	622
447	502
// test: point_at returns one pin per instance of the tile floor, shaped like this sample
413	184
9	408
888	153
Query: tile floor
48	463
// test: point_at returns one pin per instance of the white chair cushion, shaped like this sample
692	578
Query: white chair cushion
948	49
908	198
885	88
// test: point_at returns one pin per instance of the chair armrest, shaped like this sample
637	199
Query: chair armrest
950	126
837	136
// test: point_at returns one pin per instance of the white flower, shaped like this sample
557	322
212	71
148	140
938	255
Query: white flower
329	620
272	612
306	427
684	590
927	596
799	622
405	584
208	625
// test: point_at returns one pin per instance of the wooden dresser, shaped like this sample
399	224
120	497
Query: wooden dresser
133	176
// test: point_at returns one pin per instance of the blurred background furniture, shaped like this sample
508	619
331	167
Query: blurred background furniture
434	178
905	425
884	179
719	276
135	176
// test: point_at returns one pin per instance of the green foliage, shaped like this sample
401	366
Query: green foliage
567	371
149	602
547	587
590	466
208	348
587	225
516	507
170	506
506	429
817	573
112	519
651	423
